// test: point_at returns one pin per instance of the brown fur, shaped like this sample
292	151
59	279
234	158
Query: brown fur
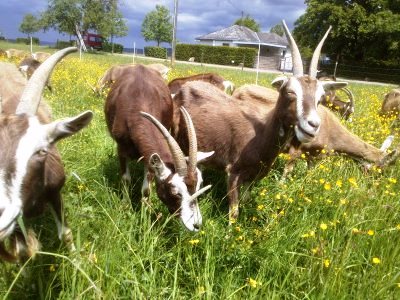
215	79
391	103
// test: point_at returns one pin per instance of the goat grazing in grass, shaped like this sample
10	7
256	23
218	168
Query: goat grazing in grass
139	95
333	136
31	170
246	137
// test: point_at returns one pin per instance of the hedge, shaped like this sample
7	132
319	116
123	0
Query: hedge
27	41
221	55
158	52
64	44
107	47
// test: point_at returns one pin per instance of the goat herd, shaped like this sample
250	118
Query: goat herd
171	128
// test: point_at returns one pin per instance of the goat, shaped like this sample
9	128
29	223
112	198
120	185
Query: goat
333	137
246	137
41	56
29	65
142	89
391	103
115	72
215	79
334	102
31	170
15	53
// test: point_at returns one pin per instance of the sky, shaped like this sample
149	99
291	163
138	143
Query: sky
195	17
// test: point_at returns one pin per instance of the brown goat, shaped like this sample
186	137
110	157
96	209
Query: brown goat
41	56
15	53
245	136
332	100
115	72
31	171
333	137
215	79
391	103
142	89
29	65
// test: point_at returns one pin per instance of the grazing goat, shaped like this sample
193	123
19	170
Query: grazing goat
142	89
334	102
31	170
391	103
15	53
41	56
246	137
29	65
215	79
115	72
333	137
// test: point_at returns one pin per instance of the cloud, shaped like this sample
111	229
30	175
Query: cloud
195	18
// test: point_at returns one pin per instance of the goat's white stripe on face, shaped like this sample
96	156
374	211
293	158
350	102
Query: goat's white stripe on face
190	211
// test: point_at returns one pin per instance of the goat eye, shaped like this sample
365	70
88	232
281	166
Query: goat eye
174	191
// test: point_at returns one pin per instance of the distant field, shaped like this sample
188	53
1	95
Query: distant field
328	232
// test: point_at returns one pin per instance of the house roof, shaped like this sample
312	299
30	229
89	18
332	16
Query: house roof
241	34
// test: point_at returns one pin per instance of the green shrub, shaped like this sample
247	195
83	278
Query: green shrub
64	44
158	52
27	41
107	47
217	54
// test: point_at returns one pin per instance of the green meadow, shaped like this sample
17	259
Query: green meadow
331	231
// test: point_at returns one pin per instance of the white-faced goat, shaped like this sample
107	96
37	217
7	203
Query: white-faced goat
28	66
115	72
247	138
177	180
333	136
215	79
31	170
40	56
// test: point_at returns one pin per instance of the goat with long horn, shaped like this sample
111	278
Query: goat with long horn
31	171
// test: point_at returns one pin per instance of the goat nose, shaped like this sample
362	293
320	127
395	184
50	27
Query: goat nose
314	123
196	226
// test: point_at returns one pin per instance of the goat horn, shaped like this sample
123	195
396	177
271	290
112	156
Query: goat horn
177	153
314	61
192	141
296	57
32	94
351	97
1	105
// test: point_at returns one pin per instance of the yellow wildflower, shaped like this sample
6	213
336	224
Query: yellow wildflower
252	282
376	261
370	232
339	183
327	186
323	226
194	242
353	181
327	263
392	180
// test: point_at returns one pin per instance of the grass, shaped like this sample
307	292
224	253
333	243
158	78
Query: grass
328	232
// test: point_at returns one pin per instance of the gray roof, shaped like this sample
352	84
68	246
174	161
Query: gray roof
237	33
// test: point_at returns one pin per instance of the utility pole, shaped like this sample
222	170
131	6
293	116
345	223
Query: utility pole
174	32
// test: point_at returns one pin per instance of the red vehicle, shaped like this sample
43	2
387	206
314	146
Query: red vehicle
93	40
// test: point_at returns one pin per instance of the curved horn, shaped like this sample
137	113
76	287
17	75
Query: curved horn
177	154
351	98
296	57
192	141
314	61
32	94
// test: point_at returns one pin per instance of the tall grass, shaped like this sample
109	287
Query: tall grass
328	232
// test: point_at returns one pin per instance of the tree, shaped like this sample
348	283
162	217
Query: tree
29	25
157	25
248	22
362	30
278	29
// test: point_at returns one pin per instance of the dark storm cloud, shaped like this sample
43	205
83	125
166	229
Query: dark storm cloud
195	18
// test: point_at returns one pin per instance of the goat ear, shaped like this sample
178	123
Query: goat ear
279	81
333	85
158	167
63	128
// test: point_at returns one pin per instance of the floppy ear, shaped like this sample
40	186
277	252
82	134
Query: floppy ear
63	128
278	82
333	85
